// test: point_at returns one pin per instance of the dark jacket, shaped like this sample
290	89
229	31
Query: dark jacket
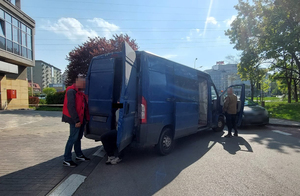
75	107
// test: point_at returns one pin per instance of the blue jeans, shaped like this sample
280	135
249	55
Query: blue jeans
74	139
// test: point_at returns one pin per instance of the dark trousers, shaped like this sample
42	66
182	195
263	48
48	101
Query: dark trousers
109	141
231	122
74	140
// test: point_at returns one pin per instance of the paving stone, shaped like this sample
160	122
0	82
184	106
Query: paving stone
33	143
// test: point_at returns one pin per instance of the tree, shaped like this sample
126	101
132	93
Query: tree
269	29
49	91
248	68
80	57
232	59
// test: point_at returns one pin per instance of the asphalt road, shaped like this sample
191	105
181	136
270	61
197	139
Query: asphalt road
258	162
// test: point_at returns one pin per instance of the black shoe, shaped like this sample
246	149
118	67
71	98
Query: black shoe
82	158
69	164
228	135
236	134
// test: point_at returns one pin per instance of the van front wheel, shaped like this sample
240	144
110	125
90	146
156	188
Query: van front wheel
220	125
166	142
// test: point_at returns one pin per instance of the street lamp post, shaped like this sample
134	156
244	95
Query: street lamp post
195	63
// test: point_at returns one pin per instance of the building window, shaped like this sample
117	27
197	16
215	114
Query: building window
8	33
7	17
2	43
16	49
15	37
1	14
9	45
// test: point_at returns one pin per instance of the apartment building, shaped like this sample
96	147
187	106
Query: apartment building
224	75
44	74
17	31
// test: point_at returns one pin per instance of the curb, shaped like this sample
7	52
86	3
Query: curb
283	125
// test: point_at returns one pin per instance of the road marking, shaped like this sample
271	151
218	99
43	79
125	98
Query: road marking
100	152
281	132
69	186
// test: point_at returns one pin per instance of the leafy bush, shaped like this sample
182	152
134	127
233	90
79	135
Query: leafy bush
56	98
49	91
42	101
33	100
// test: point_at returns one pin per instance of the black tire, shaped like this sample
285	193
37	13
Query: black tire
166	142
220	125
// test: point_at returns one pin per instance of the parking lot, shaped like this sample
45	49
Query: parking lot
261	161
32	144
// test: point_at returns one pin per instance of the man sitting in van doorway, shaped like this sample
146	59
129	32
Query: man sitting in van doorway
230	110
109	140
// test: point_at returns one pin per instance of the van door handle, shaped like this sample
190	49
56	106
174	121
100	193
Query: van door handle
169	99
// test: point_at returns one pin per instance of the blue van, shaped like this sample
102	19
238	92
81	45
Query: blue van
161	100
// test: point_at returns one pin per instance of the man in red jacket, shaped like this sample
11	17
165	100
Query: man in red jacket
75	112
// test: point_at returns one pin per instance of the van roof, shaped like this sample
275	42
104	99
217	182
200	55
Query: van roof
152	54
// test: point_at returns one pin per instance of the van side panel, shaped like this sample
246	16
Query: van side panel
156	84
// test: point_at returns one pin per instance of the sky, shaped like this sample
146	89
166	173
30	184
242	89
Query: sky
177	30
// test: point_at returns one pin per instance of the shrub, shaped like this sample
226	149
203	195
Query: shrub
34	100
49	91
42	101
56	98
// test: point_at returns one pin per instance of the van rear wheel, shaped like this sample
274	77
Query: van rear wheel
220	125
166	142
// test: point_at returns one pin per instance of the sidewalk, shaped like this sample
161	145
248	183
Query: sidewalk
283	123
32	144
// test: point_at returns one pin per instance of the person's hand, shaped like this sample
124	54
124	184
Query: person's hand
78	124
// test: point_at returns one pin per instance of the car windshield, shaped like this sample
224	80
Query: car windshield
249	103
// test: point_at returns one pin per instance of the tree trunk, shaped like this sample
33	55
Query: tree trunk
289	92
295	91
294	56
252	89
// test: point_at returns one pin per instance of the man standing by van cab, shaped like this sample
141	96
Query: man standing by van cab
75	112
230	110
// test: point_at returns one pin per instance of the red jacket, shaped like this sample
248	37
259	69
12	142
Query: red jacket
75	107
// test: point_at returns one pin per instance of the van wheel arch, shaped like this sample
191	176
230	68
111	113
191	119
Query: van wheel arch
166	141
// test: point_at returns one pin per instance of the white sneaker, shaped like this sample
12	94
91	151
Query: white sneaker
115	161
109	159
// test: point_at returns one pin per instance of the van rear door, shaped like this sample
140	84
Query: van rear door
239	91
99	88
128	98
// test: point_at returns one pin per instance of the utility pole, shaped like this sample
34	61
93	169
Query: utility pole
195	63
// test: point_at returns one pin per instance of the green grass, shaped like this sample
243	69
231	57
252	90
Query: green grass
284	110
45	108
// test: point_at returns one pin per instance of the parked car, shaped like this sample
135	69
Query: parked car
254	114
42	96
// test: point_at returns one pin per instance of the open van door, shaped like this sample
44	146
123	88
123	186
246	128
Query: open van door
99	88
239	91
128	98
